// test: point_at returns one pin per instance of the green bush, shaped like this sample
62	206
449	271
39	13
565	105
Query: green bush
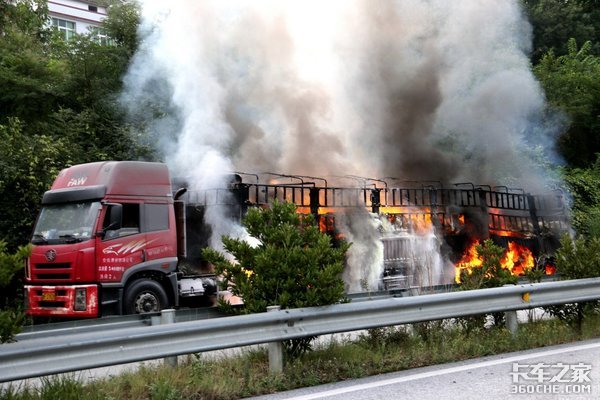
11	321
10	264
490	274
577	260
294	265
11	317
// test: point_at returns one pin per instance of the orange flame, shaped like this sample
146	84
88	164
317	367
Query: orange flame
517	259
506	233
469	260
549	269
420	222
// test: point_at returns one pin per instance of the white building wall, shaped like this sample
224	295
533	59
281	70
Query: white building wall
80	12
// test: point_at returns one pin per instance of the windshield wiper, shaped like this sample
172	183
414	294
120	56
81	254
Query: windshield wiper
70	238
38	239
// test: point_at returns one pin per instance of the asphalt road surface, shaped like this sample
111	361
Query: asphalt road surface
569	372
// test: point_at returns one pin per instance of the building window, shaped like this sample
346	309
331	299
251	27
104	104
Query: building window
92	8
100	36
66	28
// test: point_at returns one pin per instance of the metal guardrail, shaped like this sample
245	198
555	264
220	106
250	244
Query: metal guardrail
111	323
31	332
181	315
74	352
130	321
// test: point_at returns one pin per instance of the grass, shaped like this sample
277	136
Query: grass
375	352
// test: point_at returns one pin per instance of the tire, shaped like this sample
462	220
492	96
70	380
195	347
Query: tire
145	296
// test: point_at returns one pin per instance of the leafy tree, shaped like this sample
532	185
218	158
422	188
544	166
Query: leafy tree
29	78
122	22
93	72
294	265
577	260
23	16
556	21
584	186
27	166
572	84
92	117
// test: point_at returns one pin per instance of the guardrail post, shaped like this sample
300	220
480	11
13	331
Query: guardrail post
511	321
275	350
168	317
512	324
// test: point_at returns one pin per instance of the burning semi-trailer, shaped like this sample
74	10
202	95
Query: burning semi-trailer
119	237
416	222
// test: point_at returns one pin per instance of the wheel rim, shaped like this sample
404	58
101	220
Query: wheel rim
146	302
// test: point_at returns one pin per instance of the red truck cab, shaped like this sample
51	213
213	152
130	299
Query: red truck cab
105	242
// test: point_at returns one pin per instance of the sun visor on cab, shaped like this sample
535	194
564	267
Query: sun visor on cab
69	195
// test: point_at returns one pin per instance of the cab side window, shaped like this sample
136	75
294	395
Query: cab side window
156	217
130	222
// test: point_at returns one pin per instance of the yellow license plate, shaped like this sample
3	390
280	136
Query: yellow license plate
49	296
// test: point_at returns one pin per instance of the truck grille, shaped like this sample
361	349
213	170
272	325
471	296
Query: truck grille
49	272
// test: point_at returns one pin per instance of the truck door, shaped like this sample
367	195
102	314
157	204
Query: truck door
123	243
158	223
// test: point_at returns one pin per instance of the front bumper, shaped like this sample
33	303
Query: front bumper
60	301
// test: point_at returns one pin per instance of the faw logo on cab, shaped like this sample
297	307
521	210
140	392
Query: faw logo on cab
77	181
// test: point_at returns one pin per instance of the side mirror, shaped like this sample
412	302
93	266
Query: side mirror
115	219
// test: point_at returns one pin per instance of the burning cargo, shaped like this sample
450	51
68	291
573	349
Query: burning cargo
407	234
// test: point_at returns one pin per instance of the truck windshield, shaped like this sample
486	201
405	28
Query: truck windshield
65	223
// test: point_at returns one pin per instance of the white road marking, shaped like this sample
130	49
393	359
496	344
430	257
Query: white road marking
445	371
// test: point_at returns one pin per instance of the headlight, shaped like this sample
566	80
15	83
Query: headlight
80	299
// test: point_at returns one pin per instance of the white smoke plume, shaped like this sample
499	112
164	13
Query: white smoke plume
415	89
365	256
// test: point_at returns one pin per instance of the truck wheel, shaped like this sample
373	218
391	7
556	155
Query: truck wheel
144	296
